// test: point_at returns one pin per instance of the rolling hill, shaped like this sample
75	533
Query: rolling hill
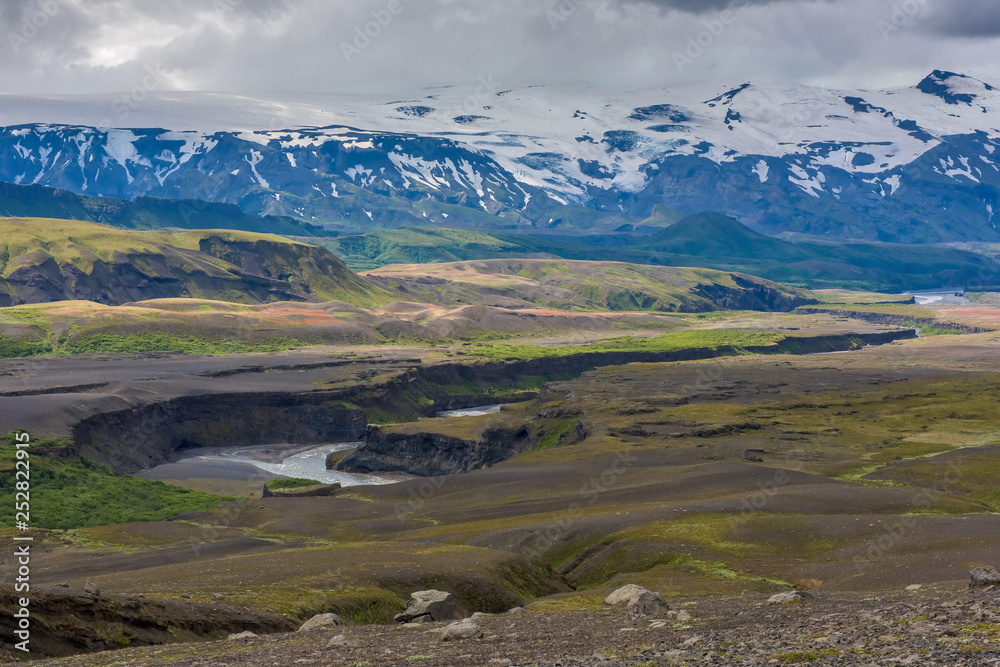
43	260
708	240
580	285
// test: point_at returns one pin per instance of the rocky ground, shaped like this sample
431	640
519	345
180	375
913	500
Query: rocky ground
937	625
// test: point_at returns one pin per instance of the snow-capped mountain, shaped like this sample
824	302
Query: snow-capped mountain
913	164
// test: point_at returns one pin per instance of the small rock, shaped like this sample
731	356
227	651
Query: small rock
501	662
218	597
243	635
947	630
692	641
675	657
340	640
186	596
428	605
790	597
646	604
516	610
480	614
92	589
914	587
412	625
624	594
683	616
467	629
983	576
321	621
63	584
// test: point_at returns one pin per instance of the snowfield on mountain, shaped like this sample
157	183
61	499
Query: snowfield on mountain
914	164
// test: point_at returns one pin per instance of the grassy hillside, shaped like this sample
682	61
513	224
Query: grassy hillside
707	240
597	286
43	260
36	201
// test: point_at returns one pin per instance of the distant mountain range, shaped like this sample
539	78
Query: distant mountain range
911	165
36	201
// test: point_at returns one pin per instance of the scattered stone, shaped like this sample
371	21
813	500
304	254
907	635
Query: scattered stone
692	641
92	589
480	614
675	657
63	584
186	596
683	616
467	629
501	662
646	604
428	606
321	621
516	610
790	597
984	576
340	640
914	587
413	625
947	630
218	597
243	635
624	594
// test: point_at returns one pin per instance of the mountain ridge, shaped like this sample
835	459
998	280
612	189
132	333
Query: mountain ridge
875	165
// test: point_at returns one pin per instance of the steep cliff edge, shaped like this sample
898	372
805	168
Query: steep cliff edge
434	454
134	439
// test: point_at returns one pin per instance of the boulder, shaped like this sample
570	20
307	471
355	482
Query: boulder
467	629
315	491
624	594
92	589
790	597
341	640
646	604
321	621
426	606
983	576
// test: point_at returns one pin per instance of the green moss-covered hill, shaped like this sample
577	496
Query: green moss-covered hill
707	240
595	286
43	260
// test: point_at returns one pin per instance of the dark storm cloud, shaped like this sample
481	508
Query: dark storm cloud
320	45
966	18
704	6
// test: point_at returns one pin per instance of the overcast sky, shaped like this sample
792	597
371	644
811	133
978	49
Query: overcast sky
268	46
